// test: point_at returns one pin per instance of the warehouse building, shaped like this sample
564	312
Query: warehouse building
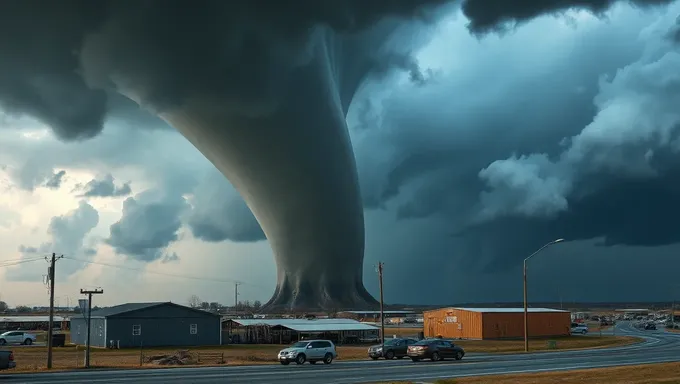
148	325
495	323
285	331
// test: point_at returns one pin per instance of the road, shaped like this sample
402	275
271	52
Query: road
657	347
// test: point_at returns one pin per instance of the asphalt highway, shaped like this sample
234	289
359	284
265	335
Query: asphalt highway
657	347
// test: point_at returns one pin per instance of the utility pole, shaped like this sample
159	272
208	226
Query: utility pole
50	326
236	296
382	312
526	305
89	318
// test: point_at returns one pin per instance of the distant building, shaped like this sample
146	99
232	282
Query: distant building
373	315
495	323
148	325
31	323
285	331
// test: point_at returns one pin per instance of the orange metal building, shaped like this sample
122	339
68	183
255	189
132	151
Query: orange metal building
495	323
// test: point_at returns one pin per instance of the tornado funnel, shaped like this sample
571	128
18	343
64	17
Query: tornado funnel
295	168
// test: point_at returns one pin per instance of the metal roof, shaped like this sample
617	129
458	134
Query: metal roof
508	310
29	319
131	307
378	312
314	325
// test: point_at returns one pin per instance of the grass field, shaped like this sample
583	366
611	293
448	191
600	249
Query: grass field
34	358
668	373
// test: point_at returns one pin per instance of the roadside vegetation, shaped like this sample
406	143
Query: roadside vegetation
668	373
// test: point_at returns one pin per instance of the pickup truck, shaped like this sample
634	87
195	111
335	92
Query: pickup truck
7	360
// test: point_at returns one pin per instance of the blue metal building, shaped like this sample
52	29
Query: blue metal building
148	325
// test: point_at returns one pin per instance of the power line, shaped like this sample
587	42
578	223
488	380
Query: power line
20	261
228	281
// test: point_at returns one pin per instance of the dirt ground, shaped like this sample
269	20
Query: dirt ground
668	373
34	358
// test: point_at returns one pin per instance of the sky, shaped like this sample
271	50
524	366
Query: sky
472	154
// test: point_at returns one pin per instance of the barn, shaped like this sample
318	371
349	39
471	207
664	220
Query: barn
495	323
148	325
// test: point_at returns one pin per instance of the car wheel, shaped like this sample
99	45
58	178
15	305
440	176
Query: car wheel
389	355
3	342
415	359
584	331
285	362
328	358
435	356
300	359
28	342
459	355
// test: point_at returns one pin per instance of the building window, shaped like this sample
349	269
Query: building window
193	329
136	330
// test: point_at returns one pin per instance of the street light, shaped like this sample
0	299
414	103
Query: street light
526	310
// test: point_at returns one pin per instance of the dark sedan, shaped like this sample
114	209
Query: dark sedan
435	350
393	348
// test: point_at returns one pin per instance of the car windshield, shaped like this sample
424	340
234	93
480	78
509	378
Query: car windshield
423	342
391	341
300	344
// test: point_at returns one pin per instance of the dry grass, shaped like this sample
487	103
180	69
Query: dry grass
668	373
34	358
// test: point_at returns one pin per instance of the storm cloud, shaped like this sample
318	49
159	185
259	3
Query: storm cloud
105	187
67	234
520	146
150	223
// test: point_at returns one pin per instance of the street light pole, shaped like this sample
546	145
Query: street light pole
526	307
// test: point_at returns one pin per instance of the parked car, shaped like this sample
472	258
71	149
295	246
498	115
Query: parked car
7	360
17	337
579	328
393	348
435	350
309	350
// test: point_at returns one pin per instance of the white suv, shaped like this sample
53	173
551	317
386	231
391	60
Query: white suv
579	328
309	350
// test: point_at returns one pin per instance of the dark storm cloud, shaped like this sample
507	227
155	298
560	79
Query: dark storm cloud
219	213
105	187
487	15
67	234
37	70
225	49
597	175
150	223
54	182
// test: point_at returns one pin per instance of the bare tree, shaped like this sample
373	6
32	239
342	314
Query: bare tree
195	301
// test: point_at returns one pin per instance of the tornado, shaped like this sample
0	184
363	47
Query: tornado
295	168
288	153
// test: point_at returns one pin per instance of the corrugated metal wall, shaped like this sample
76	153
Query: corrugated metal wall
79	331
452	323
459	324
510	325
